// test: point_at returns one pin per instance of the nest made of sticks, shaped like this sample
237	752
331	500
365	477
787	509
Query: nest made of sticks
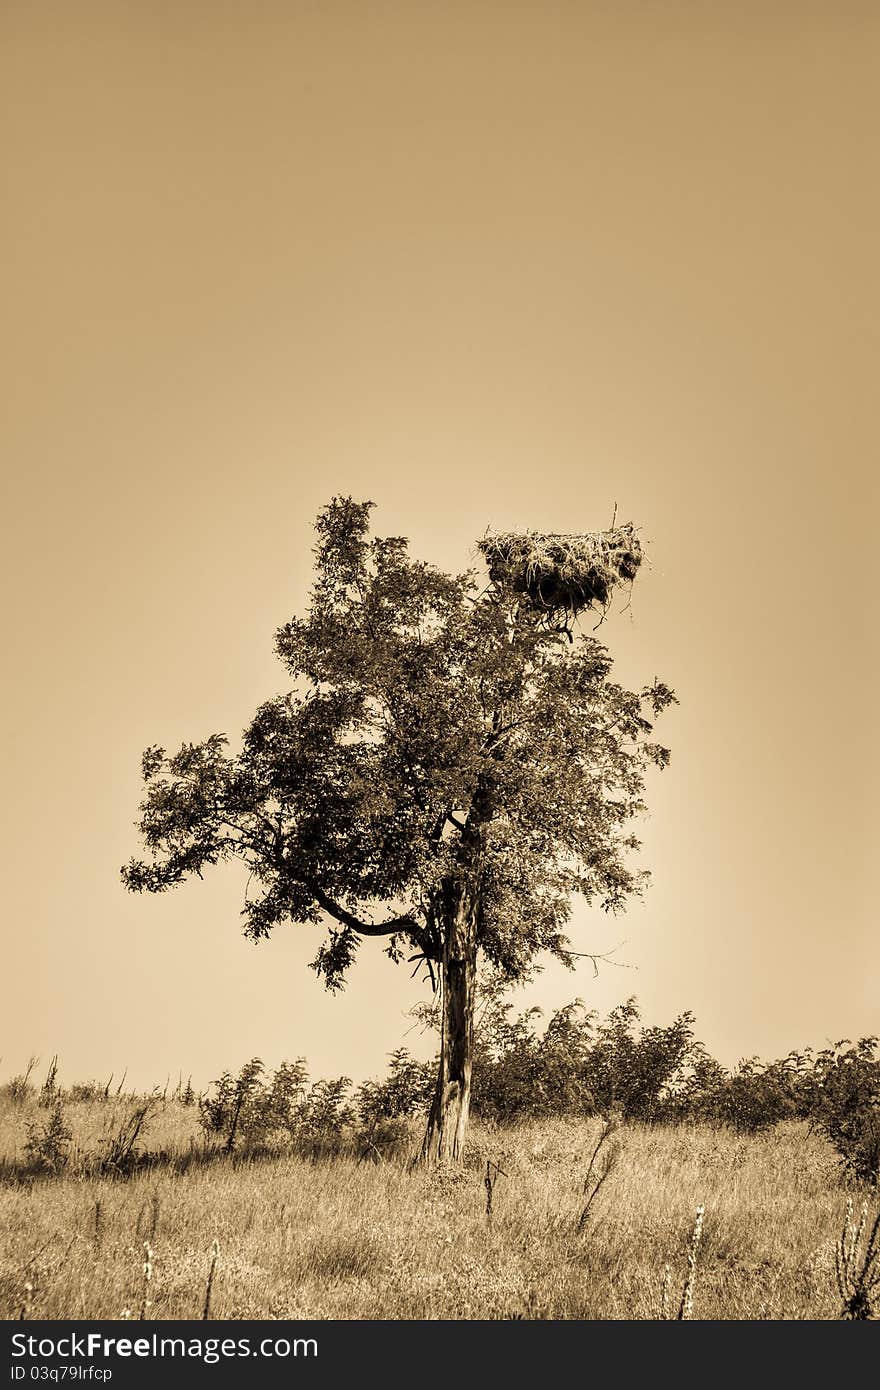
563	573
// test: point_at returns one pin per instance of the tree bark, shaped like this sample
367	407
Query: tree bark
448	1119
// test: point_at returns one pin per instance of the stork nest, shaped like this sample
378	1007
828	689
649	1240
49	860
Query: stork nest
561	574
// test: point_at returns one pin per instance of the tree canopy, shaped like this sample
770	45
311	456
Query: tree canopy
450	767
415	694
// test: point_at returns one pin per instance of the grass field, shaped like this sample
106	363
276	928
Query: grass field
335	1237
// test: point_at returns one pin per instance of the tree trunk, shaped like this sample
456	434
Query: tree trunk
447	1123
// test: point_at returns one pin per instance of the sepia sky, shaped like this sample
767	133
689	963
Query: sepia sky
487	264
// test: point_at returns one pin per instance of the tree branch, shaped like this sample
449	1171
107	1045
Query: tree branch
404	923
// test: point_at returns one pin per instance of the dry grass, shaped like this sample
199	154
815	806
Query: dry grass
338	1238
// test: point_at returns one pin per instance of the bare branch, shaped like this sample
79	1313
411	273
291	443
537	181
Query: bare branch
404	923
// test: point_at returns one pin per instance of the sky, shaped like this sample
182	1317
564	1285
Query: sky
483	263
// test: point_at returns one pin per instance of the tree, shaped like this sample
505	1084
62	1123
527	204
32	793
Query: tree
452	764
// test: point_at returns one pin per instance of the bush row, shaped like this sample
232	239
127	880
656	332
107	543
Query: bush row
574	1063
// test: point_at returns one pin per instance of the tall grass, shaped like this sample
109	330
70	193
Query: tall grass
334	1237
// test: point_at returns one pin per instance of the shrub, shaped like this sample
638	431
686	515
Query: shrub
404	1091
638	1071
520	1071
382	1108
48	1145
325	1111
215	1110
85	1091
578	1066
285	1096
246	1105
755	1097
847	1105
257	1109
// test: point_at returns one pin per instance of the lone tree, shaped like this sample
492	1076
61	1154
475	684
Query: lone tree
452	765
